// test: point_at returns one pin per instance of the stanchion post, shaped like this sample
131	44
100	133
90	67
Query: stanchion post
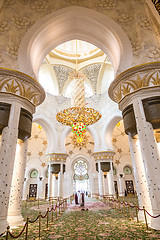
56	211
38	203
39	230
124	208
59	208
137	214
7	234
145	217
52	214
26	235
129	212
47	217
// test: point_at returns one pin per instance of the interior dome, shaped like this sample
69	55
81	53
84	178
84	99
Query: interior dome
76	54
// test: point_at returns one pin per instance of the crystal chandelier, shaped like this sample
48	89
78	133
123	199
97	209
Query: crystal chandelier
78	116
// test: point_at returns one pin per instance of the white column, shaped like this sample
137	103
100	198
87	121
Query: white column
150	158
49	180
40	188
54	191
15	202
121	185
100	179
106	187
111	180
7	157
25	189
60	182
139	175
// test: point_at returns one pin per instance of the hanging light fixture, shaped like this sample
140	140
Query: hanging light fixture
78	116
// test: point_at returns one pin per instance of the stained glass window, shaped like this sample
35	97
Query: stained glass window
80	167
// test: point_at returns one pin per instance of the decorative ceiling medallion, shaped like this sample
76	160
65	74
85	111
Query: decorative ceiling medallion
82	144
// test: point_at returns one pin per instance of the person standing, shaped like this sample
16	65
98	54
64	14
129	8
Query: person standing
76	198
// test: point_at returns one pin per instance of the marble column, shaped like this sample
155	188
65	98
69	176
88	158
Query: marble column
100	179
121	185
137	92
106	185
139	175
40	188
151	161
17	107
104	160
7	156
54	190
15	202
60	182
111	180
55	176
49	181
25	189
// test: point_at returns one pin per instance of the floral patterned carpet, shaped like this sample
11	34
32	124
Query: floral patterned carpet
98	222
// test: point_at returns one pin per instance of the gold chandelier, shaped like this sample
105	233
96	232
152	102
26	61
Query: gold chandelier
78	116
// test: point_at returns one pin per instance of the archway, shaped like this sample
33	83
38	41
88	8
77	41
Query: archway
74	23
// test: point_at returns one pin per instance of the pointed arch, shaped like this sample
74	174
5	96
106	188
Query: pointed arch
74	23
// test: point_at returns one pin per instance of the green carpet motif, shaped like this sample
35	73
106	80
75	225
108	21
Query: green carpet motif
99	222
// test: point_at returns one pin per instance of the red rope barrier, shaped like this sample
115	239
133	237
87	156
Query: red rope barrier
151	215
19	233
44	215
2	234
32	221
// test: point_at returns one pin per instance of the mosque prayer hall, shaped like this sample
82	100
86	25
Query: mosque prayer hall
79	119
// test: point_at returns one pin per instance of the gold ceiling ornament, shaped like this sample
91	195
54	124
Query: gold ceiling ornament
77	144
78	116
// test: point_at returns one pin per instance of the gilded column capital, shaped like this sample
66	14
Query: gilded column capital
57	157
139	77
22	85
103	155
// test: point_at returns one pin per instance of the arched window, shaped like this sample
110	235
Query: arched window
127	170
34	173
80	167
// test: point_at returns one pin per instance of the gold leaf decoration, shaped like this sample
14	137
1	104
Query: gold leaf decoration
11	87
139	82
118	94
156	80
126	89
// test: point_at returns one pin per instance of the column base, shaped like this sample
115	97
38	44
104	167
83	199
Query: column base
3	224
155	222
15	221
141	216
